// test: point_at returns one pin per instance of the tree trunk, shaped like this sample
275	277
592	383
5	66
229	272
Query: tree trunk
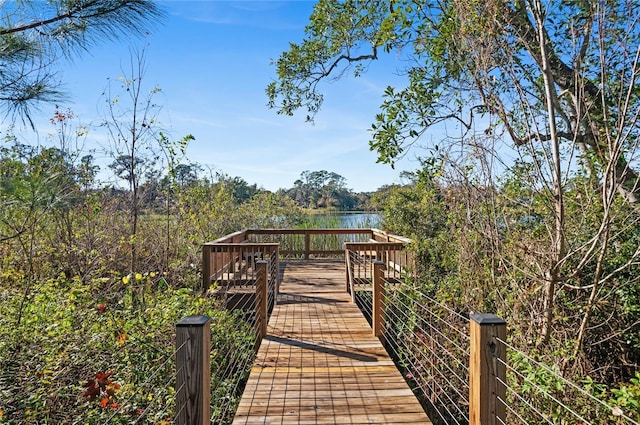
558	243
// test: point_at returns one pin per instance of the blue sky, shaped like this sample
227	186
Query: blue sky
212	61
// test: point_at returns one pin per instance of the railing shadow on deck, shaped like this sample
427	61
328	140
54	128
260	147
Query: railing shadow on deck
322	349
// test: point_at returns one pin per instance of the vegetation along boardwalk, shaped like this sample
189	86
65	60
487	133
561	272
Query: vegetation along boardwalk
319	362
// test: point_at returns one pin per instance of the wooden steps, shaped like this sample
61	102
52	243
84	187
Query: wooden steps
320	363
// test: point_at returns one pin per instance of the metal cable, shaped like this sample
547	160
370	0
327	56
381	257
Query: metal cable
569	383
543	391
146	381
433	300
415	347
524	401
406	315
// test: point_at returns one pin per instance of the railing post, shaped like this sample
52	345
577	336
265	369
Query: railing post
377	315
193	371
206	267
276	269
346	271
262	299
307	244
487	371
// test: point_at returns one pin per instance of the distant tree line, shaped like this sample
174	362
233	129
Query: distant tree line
325	189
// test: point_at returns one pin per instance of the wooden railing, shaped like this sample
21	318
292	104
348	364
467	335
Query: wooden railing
360	259
233	265
227	261
308	243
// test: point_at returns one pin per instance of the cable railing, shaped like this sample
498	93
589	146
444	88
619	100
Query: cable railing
559	400
147	404
231	355
432	345
431	352
205	373
212	371
461	366
211	363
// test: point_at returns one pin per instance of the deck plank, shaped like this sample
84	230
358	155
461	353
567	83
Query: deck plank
320	363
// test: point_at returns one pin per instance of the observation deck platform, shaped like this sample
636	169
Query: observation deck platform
320	363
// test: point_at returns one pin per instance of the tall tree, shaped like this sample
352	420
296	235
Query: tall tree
556	82
473	60
321	189
132	122
34	34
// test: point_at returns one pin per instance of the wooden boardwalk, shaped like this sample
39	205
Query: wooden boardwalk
320	363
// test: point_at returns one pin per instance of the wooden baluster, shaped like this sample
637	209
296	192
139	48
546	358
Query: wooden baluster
346	270
307	244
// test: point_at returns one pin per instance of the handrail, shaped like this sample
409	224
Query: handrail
234	237
307	243
432	360
232	264
361	256
228	260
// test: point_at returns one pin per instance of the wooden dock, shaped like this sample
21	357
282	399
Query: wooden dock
320	363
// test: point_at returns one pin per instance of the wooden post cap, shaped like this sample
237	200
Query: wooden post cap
193	321
487	319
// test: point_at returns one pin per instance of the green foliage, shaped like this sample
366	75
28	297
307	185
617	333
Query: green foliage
478	66
323	189
35	35
76	320
480	248
627	398
334	37
72	330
